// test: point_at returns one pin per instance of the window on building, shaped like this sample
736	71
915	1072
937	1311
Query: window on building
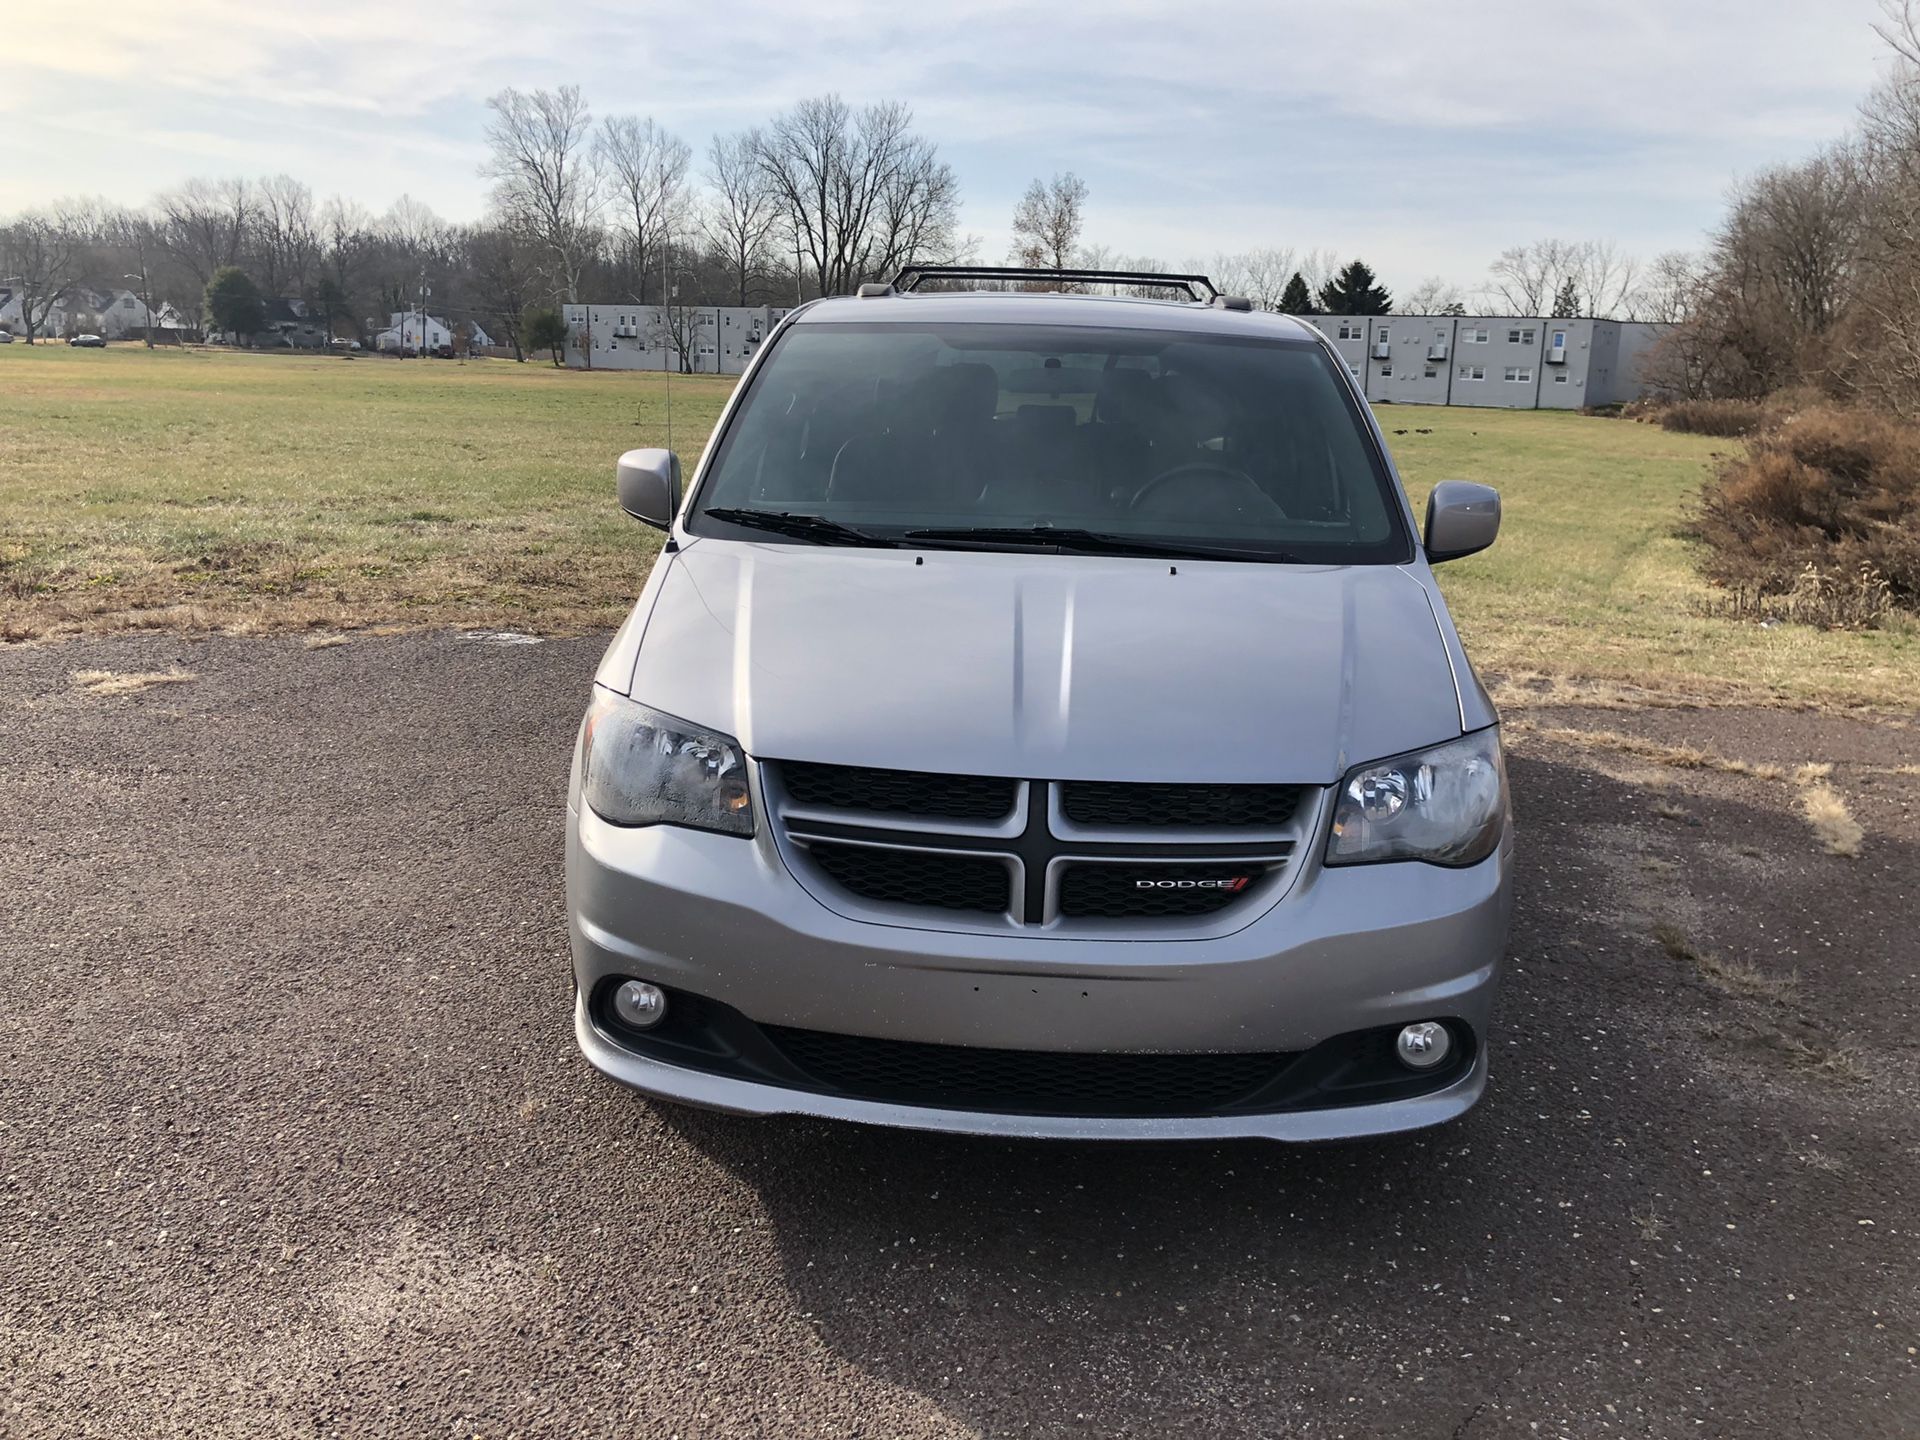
1519	374
1479	336
1473	372
1385	334
1353	370
1518	336
1432	374
1386	370
1350	330
1561	378
1559	339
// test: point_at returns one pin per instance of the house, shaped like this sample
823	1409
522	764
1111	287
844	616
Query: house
404	330
291	324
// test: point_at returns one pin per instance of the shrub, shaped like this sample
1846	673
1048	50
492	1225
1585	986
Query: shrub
1823	507
1711	417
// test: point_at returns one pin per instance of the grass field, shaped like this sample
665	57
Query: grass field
217	490
258	492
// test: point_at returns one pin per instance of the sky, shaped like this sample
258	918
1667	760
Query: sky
1424	135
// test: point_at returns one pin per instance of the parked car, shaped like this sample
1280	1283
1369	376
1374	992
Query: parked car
6	337
1042	720
87	342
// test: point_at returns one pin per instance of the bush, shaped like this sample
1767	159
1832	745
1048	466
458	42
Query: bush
1825	503
1711	417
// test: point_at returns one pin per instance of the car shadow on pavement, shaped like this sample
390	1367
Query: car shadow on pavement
1651	1218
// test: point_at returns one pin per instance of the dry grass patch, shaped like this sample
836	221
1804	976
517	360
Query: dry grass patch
1680	757
120	682
325	642
1826	811
1735	977
1839	833
1837	1061
1823	806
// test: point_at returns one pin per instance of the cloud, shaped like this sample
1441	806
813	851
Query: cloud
1418	132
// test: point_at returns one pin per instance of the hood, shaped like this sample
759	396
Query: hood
1067	667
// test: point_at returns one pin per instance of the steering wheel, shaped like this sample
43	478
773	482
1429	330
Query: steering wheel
1233	478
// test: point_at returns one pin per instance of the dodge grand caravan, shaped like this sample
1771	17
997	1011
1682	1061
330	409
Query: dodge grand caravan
1042	720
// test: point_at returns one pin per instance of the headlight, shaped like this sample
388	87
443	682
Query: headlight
1445	805
639	767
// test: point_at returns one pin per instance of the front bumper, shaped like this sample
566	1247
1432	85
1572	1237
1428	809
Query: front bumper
1347	949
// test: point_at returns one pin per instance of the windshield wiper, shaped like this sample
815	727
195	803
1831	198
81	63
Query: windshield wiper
1093	542
816	528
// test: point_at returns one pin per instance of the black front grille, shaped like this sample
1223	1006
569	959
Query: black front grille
899	792
916	877
1026	1082
1125	803
1126	891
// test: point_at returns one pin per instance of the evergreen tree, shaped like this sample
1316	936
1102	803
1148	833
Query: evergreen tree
1297	299
546	330
1354	292
1566	300
233	303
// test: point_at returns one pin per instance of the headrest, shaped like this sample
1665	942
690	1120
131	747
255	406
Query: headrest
959	394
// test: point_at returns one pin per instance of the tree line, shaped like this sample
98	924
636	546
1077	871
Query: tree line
617	208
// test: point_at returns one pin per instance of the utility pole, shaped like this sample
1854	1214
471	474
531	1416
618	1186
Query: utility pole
666	314
146	297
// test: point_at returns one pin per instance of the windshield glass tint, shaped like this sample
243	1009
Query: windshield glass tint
1153	435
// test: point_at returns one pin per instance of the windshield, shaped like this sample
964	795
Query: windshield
940	432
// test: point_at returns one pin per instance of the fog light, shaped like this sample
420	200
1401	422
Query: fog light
1423	1046
639	1004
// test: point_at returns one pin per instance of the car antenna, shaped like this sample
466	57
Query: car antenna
667	361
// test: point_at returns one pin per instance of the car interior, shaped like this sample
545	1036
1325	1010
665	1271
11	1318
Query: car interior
1182	437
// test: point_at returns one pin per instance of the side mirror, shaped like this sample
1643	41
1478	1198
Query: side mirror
648	484
1461	518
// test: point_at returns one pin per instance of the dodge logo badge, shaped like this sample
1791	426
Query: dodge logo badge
1237	883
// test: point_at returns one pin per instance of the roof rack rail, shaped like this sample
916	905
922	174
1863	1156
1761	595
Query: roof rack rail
908	280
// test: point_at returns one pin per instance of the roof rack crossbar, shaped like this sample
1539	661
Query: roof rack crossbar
1198	287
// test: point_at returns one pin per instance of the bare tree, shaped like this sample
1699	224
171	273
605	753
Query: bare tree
646	168
288	241
346	241
744	212
39	257
1669	290
543	182
1047	223
500	280
1435	295
1543	277
205	224
1604	279
135	235
859	194
1527	277
1260	275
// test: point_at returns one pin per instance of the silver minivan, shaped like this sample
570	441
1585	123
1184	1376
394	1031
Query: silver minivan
1042	720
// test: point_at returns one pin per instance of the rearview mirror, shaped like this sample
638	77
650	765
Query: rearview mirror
1461	518
648	484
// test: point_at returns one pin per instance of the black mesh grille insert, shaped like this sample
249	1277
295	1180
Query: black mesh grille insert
1026	1082
1132	891
1110	802
913	877
899	792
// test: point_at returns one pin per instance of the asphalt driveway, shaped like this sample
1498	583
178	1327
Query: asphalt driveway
294	1139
